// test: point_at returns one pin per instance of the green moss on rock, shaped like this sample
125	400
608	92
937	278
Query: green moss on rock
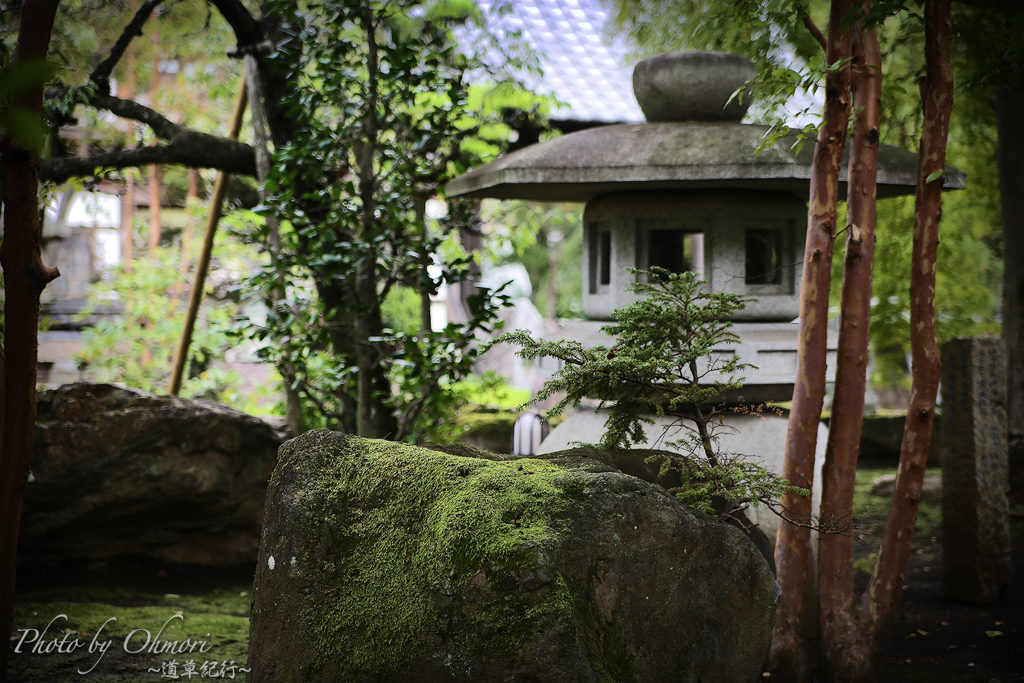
385	562
418	529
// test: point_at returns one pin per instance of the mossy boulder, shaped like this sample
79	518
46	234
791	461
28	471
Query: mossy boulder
386	562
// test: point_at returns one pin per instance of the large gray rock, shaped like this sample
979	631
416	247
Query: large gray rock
116	471
931	488
386	562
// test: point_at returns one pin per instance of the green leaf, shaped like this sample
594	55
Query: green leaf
934	176
28	74
25	127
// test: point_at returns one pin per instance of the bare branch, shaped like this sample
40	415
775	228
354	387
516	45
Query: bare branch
187	148
101	74
247	30
311	393
161	126
841	526
812	27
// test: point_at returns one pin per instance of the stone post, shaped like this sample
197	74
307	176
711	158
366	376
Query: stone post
975	508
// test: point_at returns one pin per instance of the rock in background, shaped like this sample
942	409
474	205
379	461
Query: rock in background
385	562
117	471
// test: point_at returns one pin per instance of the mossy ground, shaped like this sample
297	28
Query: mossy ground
936	640
196	604
869	517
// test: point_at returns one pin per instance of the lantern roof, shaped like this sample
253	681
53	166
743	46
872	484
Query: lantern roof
671	155
693	140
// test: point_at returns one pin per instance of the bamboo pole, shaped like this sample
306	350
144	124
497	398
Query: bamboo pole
155	174
204	258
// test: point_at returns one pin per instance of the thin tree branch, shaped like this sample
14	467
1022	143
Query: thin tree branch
310	391
781	511
161	126
101	74
812	27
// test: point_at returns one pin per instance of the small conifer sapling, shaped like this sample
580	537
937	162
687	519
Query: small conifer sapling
664	363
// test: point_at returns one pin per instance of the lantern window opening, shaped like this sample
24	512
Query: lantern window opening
763	257
600	257
677	250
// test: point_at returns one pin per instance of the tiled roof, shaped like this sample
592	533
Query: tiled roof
582	67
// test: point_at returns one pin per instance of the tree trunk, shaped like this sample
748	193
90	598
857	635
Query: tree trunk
880	602
789	657
373	418
25	276
426	323
154	210
128	222
366	287
840	651
206	251
471	236
261	143
191	202
1008	103
128	91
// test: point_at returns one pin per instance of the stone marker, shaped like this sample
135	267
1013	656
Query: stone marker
975	509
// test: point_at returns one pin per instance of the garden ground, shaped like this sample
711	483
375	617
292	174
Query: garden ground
935	640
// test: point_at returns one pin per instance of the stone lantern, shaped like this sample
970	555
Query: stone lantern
688	191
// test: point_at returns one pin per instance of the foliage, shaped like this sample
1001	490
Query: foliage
185	45
385	116
726	488
664	363
19	122
136	345
790	65
986	51
485	397
491	391
970	243
548	240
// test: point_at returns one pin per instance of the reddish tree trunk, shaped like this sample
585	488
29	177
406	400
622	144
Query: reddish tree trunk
154	209
24	279
880	602
128	224
789	659
839	646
